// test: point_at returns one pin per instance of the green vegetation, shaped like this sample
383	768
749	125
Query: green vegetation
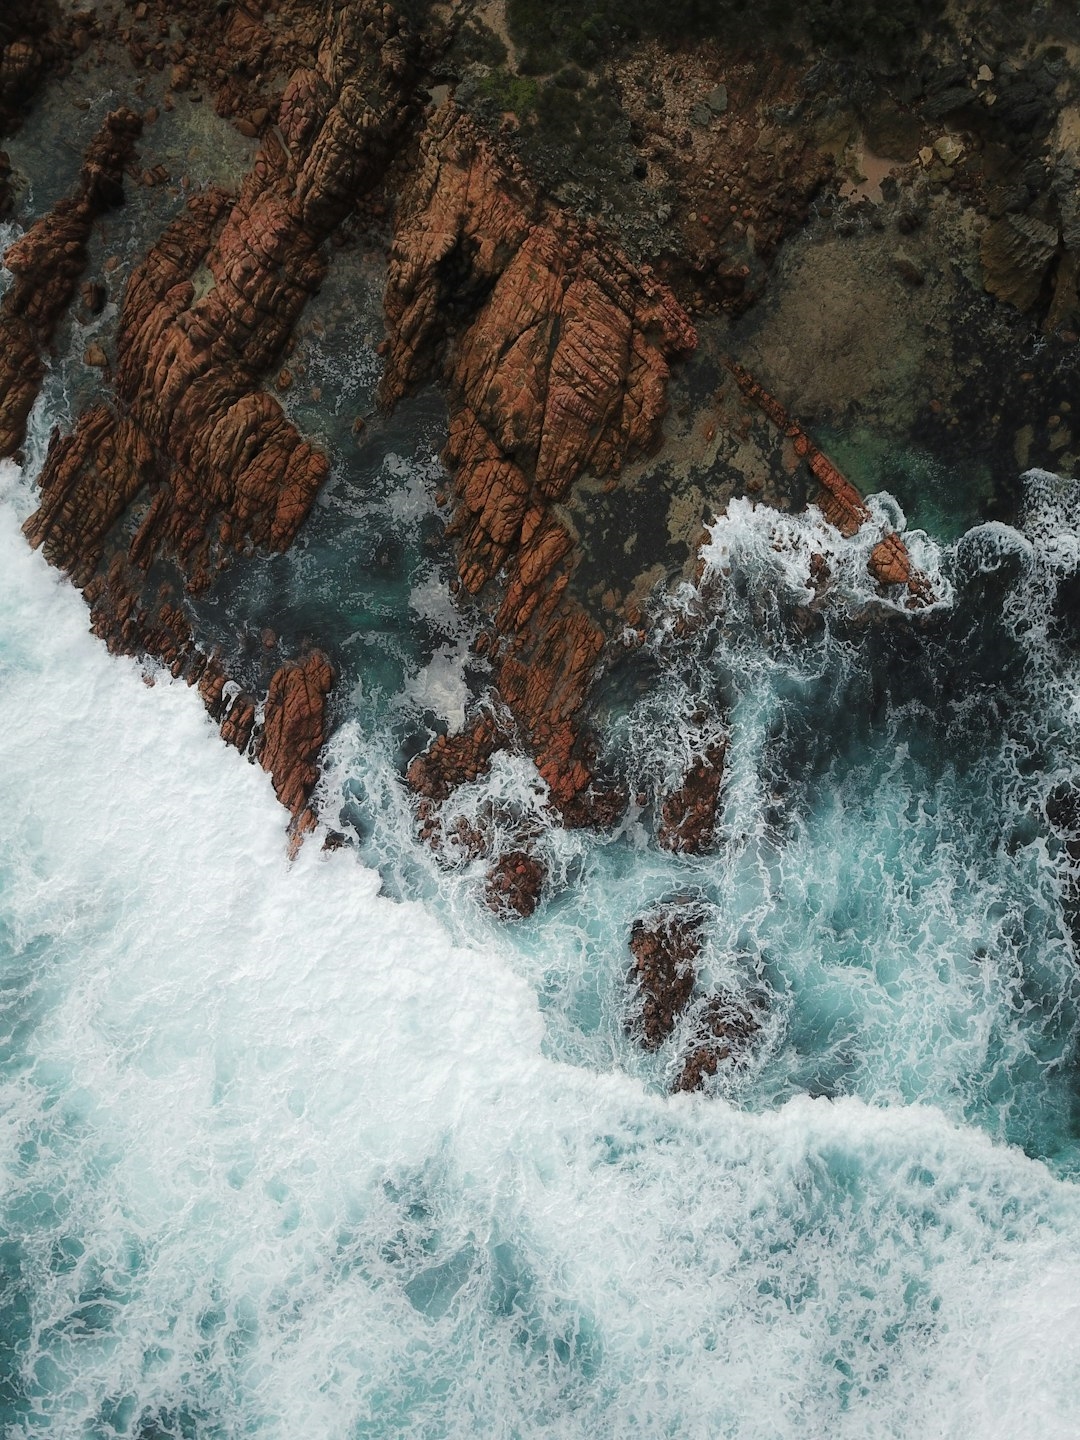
506	91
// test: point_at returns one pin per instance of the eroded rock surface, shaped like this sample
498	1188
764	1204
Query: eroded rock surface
205	317
294	730
838	500
555	353
665	947
688	814
46	264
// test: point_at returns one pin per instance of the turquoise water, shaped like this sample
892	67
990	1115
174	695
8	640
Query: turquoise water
322	1148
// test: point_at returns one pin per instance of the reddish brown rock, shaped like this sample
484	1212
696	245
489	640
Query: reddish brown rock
838	499
729	1027
294	728
294	725
208	314
665	947
515	883
555	353
453	760
688	814
46	264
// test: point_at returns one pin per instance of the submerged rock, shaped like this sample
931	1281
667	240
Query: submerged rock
728	1026
665	947
515	883
688	814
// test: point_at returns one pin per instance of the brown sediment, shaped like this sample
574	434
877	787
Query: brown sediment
46	264
555	354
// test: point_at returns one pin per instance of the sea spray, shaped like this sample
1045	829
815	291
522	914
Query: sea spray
280	1157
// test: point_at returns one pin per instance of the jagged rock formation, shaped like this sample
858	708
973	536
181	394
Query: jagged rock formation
688	814
294	731
294	720
555	354
46	264
208	313
727	1027
665	946
838	500
204	317
1017	251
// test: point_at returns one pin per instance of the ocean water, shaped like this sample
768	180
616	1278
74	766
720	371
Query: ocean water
321	1148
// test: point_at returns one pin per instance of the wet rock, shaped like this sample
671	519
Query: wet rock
208	313
665	946
515	884
839	501
46	264
908	269
688	815
728	1027
294	728
557	362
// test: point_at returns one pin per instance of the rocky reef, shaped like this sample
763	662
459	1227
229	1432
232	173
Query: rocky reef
630	270
205	316
666	945
555	352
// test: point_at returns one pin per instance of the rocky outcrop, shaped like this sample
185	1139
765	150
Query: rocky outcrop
46	264
665	946
1017	251
727	1027
294	712
515	883
838	500
294	731
205	317
688	814
555	354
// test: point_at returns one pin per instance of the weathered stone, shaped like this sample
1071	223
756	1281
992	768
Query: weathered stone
208	313
688	814
46	264
557	362
665	946
1017	252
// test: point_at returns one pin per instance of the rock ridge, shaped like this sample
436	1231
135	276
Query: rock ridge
555	353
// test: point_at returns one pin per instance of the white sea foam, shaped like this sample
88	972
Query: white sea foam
281	1159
